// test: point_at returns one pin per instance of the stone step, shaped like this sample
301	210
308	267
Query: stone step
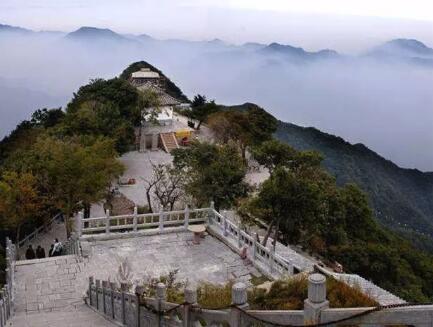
78	316
48	284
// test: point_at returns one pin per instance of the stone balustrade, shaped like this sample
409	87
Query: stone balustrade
264	258
163	221
132	309
7	294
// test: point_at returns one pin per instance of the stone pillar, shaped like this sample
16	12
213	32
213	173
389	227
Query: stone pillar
160	296
155	138
271	260
139	290
91	281
104	287
113	288
239	236
316	301
107	222
190	295
186	220
124	287
80	223
161	219
254	247
98	286
134	220
239	299
224	223
211	214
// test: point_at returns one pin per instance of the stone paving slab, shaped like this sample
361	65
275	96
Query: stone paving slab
79	316
152	256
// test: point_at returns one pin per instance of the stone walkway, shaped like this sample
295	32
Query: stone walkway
48	284
79	316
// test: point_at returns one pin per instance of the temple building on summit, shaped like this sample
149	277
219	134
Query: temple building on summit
160	126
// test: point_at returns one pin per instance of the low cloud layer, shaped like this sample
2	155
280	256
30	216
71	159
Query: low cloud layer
387	105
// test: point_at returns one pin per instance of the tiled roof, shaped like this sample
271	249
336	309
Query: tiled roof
163	98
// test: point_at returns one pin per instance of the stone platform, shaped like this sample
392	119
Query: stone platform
152	256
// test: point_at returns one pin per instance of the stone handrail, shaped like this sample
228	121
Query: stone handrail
7	295
134	310
136	222
38	230
265	259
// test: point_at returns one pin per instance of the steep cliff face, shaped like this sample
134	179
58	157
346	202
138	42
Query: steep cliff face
401	198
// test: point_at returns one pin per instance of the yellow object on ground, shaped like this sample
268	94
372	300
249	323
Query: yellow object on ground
180	134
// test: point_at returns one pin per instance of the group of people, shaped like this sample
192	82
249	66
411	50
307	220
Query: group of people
55	250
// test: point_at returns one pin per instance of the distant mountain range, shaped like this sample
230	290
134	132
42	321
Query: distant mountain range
405	50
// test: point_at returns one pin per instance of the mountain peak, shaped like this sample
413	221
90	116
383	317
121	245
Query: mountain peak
13	29
408	43
89	32
403	48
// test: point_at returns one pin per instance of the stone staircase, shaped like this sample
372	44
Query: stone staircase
169	141
50	291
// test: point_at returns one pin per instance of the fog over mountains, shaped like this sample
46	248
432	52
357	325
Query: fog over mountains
382	97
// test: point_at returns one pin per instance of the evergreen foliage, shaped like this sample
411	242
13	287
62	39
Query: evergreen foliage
169	86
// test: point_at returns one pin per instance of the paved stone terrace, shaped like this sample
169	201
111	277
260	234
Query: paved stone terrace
152	256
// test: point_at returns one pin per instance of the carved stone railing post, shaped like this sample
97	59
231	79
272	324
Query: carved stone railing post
224	223
161	220
97	287
239	231
124	287
254	247
107	222
160	296
316	301
80	223
186	220
91	281
134	219
240	300
190	294
113	287
139	290
271	260
211	214
104	289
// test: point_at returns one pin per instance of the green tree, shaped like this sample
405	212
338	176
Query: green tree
115	91
273	153
212	172
101	119
201	109
19	200
249	127
73	173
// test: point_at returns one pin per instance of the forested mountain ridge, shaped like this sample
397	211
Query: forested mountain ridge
401	198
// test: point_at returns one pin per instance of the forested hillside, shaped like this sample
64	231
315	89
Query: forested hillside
402	199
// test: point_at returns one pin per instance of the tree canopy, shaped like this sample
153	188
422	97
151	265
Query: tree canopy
73	171
212	173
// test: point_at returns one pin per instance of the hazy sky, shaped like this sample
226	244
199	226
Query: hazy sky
347	25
